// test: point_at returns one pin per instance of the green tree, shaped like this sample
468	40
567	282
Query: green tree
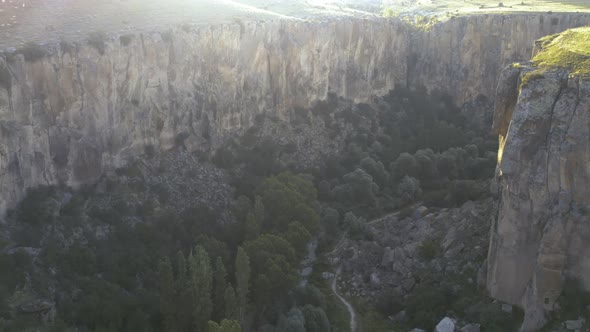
409	189
294	321
242	281
167	295
241	208
364	190
231	303
272	258
255	219
298	236
404	165
225	326
253	227
425	160
331	222
315	319
376	170
287	198
219	287
201	278
183	294
215	248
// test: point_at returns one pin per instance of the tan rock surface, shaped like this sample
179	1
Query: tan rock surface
76	113
541	234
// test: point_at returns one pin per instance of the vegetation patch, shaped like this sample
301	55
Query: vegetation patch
67	47
5	78
32	52
98	41
430	249
531	76
126	39
569	49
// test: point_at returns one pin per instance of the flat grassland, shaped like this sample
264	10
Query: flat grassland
49	21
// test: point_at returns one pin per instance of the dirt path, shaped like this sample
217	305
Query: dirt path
393	214
353	320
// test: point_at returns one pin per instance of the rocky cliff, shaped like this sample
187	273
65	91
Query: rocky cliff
67	116
540	237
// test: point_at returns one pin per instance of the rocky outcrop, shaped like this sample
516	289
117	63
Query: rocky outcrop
83	109
541	234
443	242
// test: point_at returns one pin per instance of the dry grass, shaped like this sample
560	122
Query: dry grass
569	49
472	7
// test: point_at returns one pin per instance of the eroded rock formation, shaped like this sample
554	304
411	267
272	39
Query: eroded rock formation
71	115
541	234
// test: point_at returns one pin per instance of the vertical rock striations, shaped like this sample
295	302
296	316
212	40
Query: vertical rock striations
69	116
541	235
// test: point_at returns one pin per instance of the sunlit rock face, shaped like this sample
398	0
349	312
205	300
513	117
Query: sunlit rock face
541	234
69	116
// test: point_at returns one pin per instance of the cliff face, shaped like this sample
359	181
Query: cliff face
69	116
541	234
465	56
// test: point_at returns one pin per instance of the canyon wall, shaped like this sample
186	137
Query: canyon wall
539	240
70	115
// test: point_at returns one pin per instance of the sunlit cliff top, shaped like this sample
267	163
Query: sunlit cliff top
569	49
44	21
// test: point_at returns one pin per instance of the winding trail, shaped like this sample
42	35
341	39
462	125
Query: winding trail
353	324
340	246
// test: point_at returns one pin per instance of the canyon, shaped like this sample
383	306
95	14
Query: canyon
69	116
70	113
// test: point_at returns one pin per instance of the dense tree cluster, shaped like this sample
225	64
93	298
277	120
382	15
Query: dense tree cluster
154	269
403	148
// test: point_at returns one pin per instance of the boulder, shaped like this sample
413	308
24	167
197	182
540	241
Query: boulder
36	306
375	279
445	325
574	324
388	258
470	328
399	317
507	308
421	211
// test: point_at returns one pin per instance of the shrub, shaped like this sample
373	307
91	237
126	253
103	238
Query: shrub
466	190
406	212
32	52
429	249
224	158
66	47
37	207
492	318
357	227
427	304
436	198
167	36
125	40
309	294
5	78
97	40
315	319
573	300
